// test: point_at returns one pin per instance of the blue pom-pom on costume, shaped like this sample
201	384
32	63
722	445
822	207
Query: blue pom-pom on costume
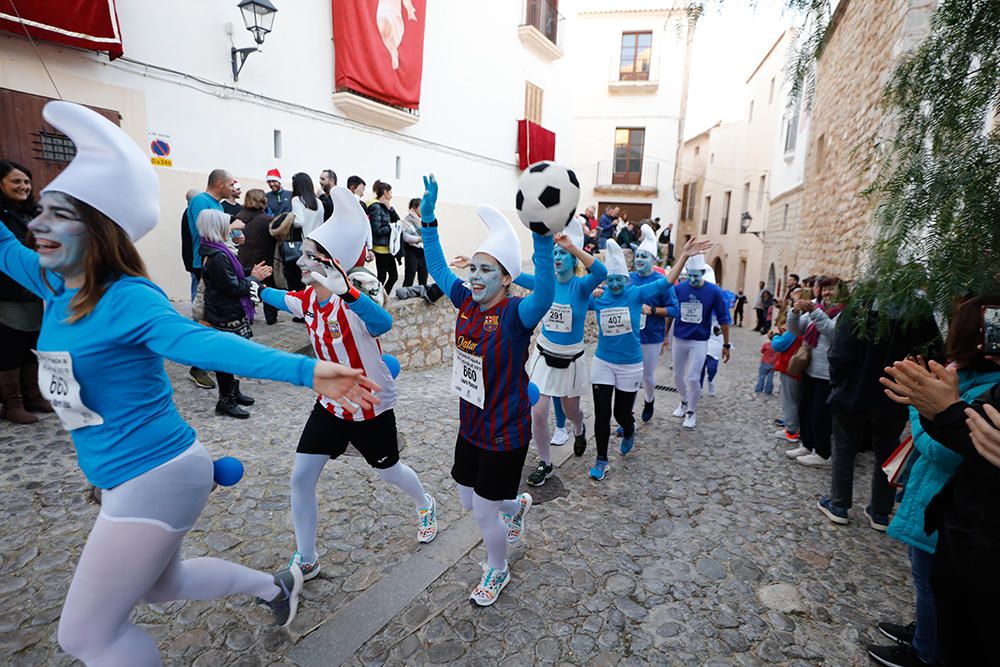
393	364
227	471
533	393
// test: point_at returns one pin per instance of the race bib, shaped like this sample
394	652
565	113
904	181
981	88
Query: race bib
559	319
691	312
59	386
467	378
642	321
616	321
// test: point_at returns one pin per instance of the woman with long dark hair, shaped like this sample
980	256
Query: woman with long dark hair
106	330
386	236
308	212
20	310
258	245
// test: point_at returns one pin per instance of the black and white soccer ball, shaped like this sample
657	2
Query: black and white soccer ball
547	195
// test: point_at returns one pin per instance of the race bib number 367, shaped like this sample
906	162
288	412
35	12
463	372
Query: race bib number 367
691	312
59	386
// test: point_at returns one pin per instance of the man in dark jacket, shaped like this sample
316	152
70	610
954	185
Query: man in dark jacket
606	226
279	200
862	413
327	181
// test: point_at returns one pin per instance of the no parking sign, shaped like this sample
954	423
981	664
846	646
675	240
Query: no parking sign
159	150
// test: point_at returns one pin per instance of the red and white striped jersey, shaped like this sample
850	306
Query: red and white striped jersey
340	335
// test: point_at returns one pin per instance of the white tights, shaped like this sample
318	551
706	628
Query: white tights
540	431
650	358
689	359
305	507
487	515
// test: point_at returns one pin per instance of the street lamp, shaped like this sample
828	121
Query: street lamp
745	221
258	17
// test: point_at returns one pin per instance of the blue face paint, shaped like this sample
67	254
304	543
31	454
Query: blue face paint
644	263
565	263
61	236
696	278
486	278
617	284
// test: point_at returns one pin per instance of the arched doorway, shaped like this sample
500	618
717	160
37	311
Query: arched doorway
717	267
771	279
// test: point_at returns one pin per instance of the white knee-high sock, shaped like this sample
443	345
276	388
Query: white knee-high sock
680	353
650	358
540	431
305	475
487	515
403	477
571	406
465	494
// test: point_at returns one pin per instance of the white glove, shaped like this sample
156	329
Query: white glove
335	280
255	290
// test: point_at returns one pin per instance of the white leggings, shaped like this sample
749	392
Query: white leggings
540	431
137	558
650	358
305	507
689	358
487	515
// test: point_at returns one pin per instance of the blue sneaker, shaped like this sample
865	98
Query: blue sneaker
834	513
620	431
627	444
599	470
879	522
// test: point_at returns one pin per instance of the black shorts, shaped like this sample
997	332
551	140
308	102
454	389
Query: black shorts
328	434
493	475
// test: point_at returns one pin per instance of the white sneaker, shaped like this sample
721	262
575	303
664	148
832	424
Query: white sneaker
797	452
711	388
490	586
782	434
814	460
690	421
681	410
560	437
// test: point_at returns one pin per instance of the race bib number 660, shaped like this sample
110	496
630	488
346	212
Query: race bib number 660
467	378
59	386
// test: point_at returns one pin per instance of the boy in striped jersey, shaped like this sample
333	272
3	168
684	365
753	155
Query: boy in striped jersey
344	325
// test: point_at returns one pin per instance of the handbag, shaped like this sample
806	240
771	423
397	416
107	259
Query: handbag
800	360
291	248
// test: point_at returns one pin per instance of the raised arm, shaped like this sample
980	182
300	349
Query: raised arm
691	248
21	264
437	265
526	280
376	318
532	308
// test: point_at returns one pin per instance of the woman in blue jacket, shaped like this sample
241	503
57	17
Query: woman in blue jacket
616	372
933	466
105	332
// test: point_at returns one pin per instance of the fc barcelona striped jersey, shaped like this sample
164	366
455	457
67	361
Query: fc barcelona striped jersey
339	334
498	340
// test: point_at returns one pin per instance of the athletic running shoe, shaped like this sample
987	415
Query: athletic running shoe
559	437
600	469
797	452
647	411
309	570
899	655
488	590
541	474
711	388
784	434
690	421
515	522
620	432
427	523
879	522
201	379
779	422
580	443
901	634
627	444
834	513
681	410
286	603
813	460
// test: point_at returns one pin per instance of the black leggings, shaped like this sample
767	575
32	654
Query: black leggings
624	401
16	349
815	415
415	266
387	273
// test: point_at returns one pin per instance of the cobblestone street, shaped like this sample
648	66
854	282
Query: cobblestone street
699	548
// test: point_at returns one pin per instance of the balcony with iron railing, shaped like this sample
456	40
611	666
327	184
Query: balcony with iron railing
542	27
631	178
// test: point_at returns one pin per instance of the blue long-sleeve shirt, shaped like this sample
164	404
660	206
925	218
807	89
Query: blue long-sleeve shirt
695	306
115	360
573	295
655	329
199	203
491	350
619	318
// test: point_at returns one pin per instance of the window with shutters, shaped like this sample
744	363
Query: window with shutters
532	102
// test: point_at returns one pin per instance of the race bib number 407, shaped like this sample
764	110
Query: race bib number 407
616	321
467	378
59	386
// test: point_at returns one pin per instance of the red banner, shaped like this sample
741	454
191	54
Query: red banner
85	24
534	143
379	49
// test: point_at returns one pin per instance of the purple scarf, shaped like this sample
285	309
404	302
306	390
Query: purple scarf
811	335
245	301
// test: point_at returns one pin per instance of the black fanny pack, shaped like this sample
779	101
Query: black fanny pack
556	361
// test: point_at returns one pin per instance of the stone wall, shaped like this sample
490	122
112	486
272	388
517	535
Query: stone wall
780	247
862	47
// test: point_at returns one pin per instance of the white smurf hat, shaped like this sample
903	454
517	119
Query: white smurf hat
648	241
502	243
344	234
696	263
614	259
110	172
574	230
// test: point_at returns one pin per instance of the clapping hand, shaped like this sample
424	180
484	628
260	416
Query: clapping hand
340	383
931	390
261	271
984	434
